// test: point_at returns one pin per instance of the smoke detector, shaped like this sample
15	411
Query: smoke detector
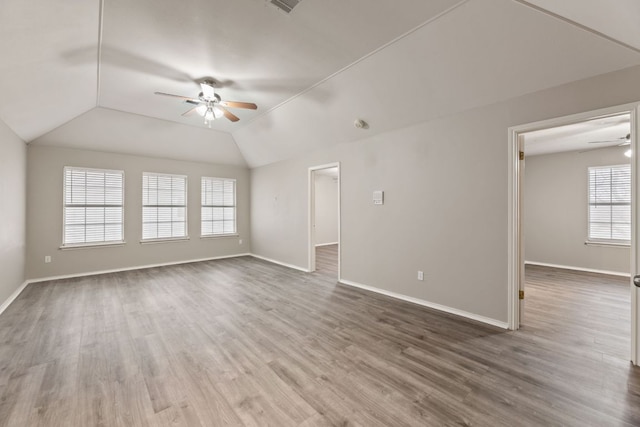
361	124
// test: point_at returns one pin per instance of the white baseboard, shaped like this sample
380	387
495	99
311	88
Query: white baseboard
138	267
13	296
587	270
326	244
284	264
439	307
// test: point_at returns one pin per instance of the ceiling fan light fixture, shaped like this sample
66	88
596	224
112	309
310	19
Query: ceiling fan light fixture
201	109
217	112
628	153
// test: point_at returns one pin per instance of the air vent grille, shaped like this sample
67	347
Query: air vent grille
285	5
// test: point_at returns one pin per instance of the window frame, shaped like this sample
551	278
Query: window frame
606	242
235	208
65	245
144	240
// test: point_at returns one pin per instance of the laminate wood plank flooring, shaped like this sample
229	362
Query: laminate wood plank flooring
327	260
585	309
242	342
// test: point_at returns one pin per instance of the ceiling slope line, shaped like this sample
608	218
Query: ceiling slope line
244	158
99	59
577	24
164	120
357	61
60	125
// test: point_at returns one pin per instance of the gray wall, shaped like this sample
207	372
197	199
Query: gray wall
446	205
326	192
13	188
555	211
44	217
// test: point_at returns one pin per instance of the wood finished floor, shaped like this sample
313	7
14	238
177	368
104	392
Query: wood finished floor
327	260
244	342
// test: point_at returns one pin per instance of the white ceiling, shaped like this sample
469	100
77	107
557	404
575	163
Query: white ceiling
617	19
311	72
588	135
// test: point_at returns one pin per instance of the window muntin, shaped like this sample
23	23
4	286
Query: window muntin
218	207
93	206
164	206
610	204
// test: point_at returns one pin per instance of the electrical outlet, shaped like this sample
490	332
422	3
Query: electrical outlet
47	259
420	275
240	241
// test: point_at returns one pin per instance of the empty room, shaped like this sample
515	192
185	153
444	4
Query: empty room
319	213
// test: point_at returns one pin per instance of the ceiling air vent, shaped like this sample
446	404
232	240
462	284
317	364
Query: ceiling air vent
285	5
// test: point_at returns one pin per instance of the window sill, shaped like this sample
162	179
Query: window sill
218	236
91	245
607	244
167	240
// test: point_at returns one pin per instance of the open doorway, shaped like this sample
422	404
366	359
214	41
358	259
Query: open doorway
577	231
573	231
324	220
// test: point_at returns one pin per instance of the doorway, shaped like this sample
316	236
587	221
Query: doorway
324	220
580	127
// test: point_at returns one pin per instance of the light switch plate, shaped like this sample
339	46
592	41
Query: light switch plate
378	197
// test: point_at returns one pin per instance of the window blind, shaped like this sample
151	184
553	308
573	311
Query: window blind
610	203
93	200
164	206
218	210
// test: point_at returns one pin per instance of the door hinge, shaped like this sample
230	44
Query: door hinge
522	155
521	294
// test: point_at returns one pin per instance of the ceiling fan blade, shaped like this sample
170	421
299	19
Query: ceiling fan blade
189	112
187	98
207	91
624	139
603	142
236	104
229	115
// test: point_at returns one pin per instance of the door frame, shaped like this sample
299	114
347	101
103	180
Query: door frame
516	169
312	217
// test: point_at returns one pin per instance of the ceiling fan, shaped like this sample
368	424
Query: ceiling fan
209	104
623	140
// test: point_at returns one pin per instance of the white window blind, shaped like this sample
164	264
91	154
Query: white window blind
218	211
610	203
164	206
93	200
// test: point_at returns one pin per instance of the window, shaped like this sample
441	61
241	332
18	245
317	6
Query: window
93	201
218	211
164	206
610	204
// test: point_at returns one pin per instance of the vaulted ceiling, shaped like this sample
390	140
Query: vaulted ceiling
82	73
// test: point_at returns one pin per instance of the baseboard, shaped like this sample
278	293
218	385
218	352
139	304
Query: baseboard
439	307
138	267
284	264
326	244
587	270
13	296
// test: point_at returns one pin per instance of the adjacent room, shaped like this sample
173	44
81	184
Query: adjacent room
577	233
317	213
